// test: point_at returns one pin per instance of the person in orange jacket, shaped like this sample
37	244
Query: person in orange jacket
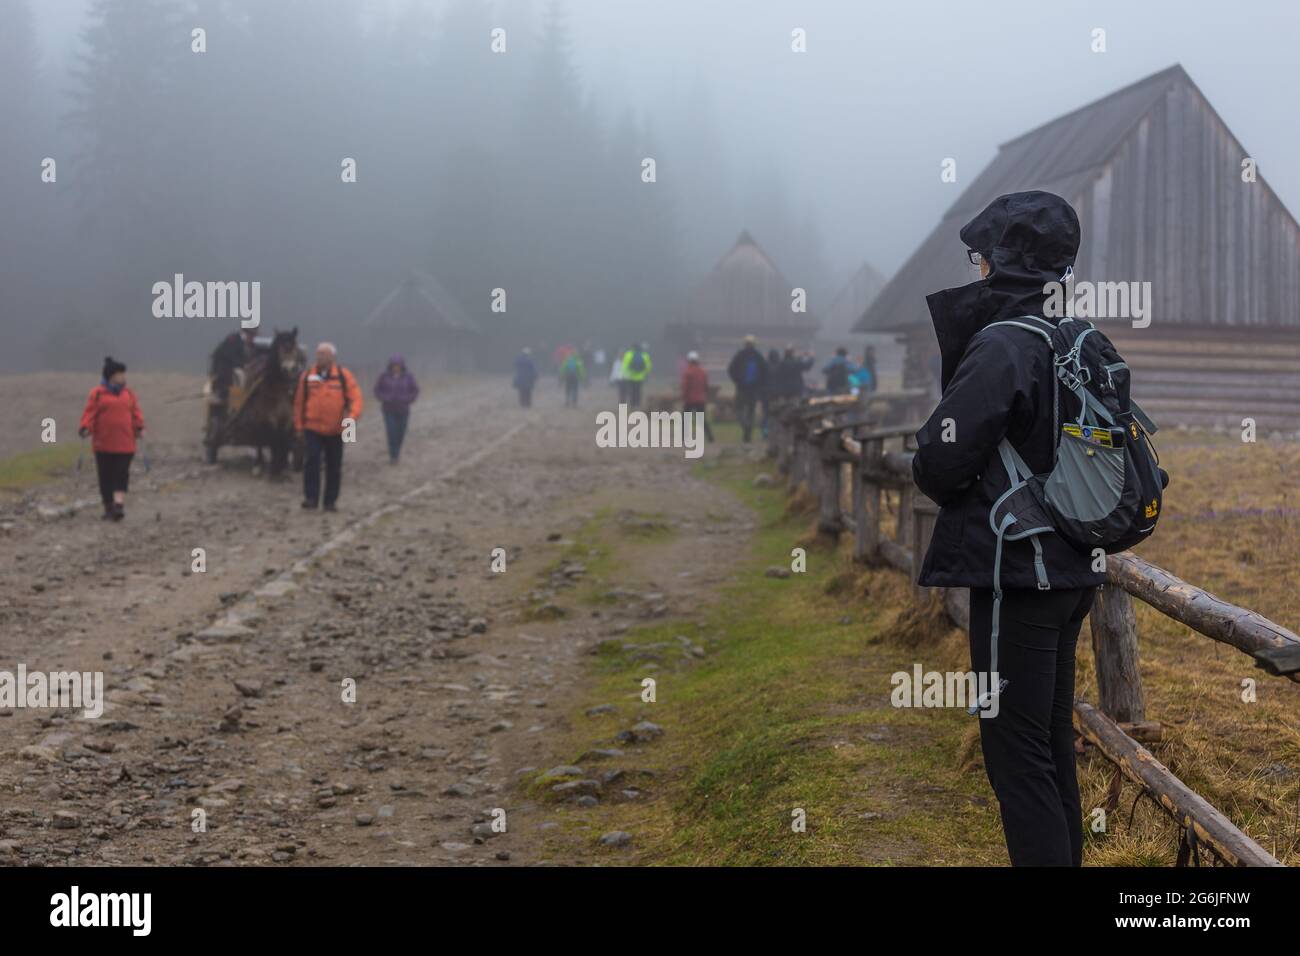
327	395
113	421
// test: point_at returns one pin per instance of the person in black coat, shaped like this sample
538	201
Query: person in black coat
789	373
998	382
748	371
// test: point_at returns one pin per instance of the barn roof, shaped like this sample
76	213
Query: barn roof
1062	156
419	302
842	315
744	291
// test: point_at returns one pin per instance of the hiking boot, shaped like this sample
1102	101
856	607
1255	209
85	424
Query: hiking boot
119	512
309	506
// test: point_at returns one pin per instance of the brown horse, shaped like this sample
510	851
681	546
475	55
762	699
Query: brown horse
265	419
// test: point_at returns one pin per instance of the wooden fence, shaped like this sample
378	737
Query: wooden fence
851	454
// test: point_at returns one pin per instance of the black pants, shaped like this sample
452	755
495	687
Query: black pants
525	395
1029	746
633	394
114	470
703	409
690	407
746	401
329	447
570	392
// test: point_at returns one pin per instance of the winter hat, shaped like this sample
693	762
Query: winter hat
112	366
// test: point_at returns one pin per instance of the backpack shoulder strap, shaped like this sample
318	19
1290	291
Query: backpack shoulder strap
1034	324
1039	326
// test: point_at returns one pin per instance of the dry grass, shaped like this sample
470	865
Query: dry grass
1230	527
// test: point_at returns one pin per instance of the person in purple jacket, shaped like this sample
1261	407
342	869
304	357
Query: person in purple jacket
396	390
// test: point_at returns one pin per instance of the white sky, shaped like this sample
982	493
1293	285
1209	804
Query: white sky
860	123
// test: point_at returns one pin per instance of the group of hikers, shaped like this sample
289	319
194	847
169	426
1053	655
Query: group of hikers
326	398
628	372
759	379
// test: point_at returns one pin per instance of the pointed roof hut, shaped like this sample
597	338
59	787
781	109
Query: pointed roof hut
744	294
420	319
840	319
420	303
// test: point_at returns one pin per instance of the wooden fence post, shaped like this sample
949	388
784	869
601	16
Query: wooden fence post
924	514
866	502
903	528
830	520
797	446
1115	651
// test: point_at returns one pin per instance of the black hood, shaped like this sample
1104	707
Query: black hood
1028	239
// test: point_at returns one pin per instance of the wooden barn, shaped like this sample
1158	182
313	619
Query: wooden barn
840	319
424	322
745	294
1157	179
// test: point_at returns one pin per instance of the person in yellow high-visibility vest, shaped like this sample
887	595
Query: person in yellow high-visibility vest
636	369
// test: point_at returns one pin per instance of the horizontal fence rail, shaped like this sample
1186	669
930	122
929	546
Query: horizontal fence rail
856	454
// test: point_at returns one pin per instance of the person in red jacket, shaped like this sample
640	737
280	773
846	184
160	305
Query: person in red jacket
695	390
113	421
327	396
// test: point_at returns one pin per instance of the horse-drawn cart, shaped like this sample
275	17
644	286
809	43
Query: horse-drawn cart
256	409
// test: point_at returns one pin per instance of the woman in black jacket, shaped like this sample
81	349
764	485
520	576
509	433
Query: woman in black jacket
1028	597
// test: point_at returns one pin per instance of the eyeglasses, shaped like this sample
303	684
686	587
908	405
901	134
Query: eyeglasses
974	257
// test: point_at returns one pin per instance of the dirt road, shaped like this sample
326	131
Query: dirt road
226	689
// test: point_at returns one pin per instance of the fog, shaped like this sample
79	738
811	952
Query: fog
523	170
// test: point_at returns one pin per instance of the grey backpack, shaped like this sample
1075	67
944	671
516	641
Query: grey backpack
1105	487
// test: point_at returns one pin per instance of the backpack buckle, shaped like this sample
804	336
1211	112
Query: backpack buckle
1068	377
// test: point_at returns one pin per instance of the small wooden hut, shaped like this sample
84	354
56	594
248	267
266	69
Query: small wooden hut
423	321
745	294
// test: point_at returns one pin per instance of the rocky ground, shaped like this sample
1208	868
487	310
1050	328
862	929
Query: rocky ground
359	688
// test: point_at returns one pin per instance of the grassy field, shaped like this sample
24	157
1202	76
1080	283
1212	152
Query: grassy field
26	470
789	710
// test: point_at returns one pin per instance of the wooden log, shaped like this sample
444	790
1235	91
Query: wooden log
1115	651
1146	731
1212	828
898	463
883	432
1200	610
897	555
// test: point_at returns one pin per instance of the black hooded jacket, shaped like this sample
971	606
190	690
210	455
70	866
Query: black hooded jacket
997	382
